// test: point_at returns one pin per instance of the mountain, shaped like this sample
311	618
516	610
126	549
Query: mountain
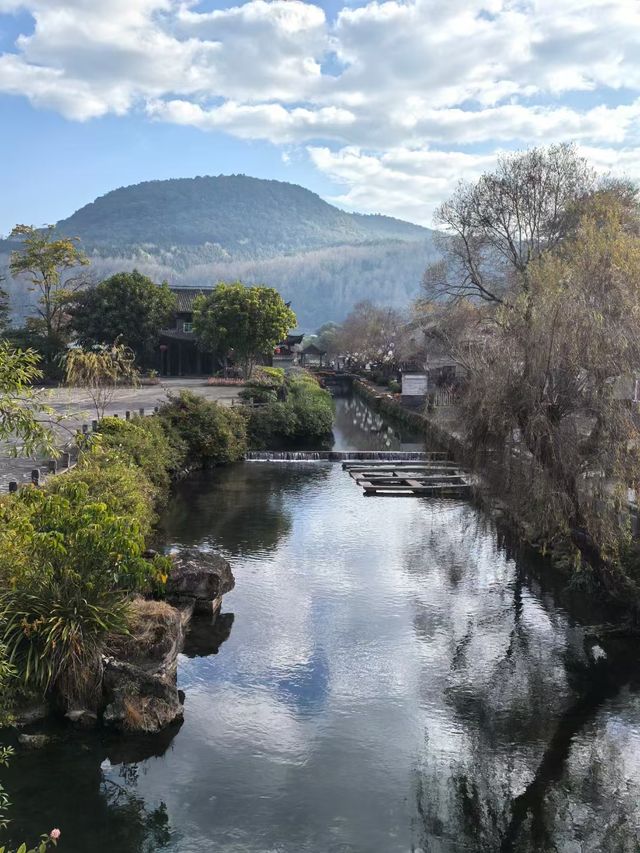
200	230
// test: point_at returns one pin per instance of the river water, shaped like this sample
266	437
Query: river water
388	676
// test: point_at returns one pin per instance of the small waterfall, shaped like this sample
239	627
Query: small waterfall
336	455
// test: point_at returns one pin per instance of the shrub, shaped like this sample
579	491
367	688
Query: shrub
103	475
258	394
66	561
394	386
305	414
211	433
144	442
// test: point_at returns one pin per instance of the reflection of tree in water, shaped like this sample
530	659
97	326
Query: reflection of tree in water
358	426
88	790
518	693
150	827
242	509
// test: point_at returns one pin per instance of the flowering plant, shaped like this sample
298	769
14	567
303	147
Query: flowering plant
46	841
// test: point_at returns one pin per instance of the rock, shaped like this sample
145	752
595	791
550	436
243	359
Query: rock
199	576
155	638
137	700
82	718
29	714
34	741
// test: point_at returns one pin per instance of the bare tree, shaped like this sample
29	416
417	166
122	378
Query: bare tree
495	228
370	333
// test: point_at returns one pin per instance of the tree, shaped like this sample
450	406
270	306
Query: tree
370	333
251	321
46	262
328	338
25	421
545	390
128	306
495	228
100	370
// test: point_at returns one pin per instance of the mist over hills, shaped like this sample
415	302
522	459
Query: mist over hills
196	231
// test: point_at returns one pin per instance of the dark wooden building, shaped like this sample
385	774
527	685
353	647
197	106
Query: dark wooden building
179	351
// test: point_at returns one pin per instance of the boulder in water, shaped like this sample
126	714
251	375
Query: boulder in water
138	700
199	577
139	682
34	741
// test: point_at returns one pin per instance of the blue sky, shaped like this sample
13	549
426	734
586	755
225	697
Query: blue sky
379	107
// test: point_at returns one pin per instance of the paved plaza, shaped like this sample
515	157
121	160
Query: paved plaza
77	408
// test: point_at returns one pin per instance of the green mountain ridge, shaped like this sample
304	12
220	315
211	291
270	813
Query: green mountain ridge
233	216
197	231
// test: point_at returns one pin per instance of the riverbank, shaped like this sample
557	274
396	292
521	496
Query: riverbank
444	430
394	675
81	593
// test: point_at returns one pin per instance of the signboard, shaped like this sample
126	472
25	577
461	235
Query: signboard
414	384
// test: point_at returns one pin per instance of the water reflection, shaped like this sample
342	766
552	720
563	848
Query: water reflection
358	427
243	514
88	786
397	678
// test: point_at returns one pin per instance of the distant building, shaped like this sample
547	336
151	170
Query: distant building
180	354
179	351
312	356
287	353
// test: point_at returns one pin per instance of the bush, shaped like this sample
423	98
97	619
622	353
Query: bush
394	386
306	414
144	442
65	561
212	434
104	476
258	394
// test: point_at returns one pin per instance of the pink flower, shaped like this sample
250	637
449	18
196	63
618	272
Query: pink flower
55	834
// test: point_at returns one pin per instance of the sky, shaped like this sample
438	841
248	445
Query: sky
380	107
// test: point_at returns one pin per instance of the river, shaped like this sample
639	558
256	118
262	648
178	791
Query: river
388	676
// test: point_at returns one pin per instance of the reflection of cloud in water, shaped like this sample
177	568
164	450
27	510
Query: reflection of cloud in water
393	678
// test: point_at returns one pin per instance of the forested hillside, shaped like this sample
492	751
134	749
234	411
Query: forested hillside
200	230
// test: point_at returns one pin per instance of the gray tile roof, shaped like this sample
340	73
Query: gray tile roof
186	295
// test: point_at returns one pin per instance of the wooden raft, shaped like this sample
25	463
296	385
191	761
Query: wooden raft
437	477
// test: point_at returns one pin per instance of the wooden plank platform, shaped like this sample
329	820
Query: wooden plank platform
427	478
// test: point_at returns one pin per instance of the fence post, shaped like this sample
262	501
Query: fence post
85	429
52	466
35	476
127	416
94	426
141	412
156	409
13	486
66	459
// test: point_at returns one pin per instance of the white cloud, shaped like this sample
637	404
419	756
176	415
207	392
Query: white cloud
401	182
382	83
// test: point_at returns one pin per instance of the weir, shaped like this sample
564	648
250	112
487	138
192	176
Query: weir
343	455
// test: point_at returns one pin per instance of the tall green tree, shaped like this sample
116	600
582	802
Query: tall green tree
127	306
47	264
251	321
